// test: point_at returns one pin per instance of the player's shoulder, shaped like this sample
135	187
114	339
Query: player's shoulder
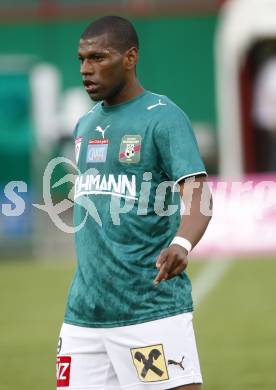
94	110
163	105
164	110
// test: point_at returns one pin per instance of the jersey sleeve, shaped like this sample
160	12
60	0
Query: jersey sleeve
177	147
75	131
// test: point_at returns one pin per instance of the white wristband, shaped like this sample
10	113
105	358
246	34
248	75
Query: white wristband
182	242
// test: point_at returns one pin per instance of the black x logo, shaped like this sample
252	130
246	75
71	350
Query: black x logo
148	363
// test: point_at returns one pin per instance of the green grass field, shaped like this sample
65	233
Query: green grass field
235	325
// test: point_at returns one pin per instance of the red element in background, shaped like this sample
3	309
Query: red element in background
247	128
52	10
63	371
221	2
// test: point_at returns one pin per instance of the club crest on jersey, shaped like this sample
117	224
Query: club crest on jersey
78	142
97	150
130	149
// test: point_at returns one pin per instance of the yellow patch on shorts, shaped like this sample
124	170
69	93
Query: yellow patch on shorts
150	363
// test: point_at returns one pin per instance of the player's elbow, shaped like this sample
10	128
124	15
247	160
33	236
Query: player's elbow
206	205
210	216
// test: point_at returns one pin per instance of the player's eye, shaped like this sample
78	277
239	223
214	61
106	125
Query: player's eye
97	57
80	59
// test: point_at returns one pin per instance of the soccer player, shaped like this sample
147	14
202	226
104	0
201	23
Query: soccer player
128	321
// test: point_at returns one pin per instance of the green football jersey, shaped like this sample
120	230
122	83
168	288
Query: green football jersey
127	209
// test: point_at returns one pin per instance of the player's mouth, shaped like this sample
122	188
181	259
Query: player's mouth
90	86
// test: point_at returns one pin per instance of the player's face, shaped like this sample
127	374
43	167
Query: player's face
102	68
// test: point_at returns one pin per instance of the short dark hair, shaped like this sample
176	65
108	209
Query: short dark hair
121	33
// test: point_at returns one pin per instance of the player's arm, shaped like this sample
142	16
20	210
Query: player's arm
197	199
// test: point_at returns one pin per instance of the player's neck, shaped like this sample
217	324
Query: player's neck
128	92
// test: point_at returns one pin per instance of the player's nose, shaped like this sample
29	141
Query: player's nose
87	68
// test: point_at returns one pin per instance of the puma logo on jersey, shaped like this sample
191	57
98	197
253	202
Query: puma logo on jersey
156	105
180	364
101	130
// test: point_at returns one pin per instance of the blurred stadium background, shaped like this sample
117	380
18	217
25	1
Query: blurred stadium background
215	60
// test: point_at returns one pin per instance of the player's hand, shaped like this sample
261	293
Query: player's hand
171	262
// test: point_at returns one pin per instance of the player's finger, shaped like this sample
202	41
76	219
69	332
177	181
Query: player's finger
177	271
161	258
164	270
161	276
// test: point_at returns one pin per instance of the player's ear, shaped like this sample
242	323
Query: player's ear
131	58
